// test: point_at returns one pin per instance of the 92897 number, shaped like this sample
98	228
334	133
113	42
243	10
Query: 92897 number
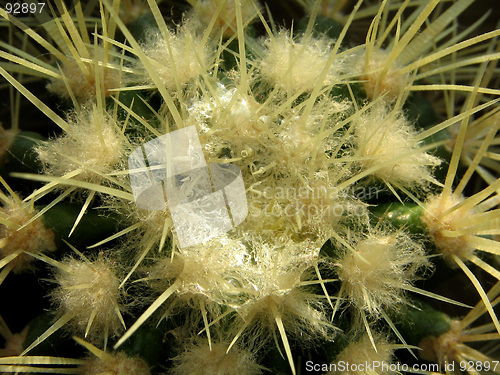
19	8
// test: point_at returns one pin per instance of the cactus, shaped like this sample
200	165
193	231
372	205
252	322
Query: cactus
208	190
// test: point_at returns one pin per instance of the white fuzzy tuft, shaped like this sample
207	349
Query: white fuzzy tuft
276	292
197	358
374	274
231	120
377	82
362	353
93	144
86	290
295	66
177	58
117	364
440	226
207	271
386	140
34	238
82	82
